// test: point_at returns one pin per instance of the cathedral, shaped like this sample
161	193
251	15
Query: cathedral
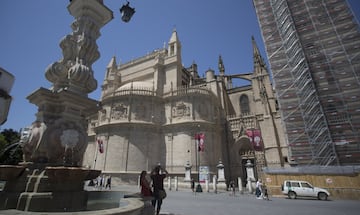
156	111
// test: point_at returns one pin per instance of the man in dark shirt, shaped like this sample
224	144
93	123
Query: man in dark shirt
158	175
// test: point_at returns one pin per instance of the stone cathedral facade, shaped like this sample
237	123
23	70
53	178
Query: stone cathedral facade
153	107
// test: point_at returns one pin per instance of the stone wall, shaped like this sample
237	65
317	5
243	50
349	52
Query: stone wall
340	186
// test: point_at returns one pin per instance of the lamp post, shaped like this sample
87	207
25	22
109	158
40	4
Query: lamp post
197	145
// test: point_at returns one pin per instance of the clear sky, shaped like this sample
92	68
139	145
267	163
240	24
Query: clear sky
30	32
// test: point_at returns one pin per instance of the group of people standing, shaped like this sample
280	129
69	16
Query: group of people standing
154	188
101	182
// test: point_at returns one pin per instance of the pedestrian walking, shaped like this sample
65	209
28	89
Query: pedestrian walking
258	191
232	187
192	185
97	182
265	194
108	182
158	174
102	182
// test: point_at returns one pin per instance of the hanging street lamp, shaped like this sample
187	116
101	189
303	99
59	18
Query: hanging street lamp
126	12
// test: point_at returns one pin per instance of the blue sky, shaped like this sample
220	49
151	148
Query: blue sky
31	31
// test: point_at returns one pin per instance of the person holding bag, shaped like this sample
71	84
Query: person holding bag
158	175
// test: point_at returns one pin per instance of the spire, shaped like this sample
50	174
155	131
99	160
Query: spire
258	60
221	66
174	37
110	70
112	63
174	48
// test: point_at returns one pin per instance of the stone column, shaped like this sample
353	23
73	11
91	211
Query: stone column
250	175
187	172
221	176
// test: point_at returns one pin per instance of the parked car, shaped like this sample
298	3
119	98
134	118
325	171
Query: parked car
294	189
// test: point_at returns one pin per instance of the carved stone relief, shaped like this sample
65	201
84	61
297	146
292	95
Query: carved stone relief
119	111
181	110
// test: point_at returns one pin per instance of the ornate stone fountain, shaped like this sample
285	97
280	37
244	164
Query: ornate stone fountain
51	177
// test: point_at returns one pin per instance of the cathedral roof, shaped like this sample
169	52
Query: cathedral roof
136	85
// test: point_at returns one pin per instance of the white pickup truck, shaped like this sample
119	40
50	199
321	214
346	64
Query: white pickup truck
294	189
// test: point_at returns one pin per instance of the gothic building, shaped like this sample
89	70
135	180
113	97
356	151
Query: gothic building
153	109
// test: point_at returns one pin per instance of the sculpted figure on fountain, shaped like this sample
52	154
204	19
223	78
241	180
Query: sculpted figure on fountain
58	135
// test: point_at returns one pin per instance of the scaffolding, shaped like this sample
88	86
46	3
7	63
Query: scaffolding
314	56
321	148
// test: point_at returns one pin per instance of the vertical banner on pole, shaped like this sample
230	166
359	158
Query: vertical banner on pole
200	141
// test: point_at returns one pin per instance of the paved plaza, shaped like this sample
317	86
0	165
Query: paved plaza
184	202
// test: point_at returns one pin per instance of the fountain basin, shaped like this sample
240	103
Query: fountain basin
10	172
128	206
70	174
41	188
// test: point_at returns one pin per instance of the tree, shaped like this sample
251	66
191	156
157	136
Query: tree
3	142
10	150
11	136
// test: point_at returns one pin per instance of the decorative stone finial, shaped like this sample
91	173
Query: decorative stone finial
74	72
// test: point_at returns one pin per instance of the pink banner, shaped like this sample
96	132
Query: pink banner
100	145
255	139
199	141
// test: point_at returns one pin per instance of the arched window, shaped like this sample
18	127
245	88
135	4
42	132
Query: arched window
244	104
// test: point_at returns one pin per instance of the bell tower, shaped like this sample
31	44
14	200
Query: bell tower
174	48
266	105
173	63
262	87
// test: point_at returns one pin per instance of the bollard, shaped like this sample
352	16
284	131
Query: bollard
176	183
215	183
240	186
169	183
207	185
